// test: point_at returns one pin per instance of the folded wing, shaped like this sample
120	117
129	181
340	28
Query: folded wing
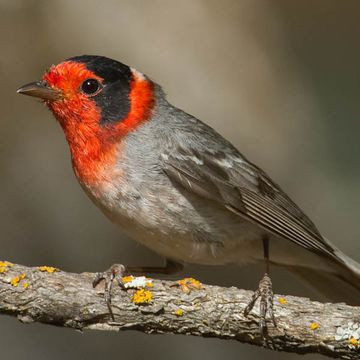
243	188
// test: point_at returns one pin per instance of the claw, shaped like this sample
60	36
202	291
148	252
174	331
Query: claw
115	272
265	293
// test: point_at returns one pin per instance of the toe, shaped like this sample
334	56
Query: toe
265	293
115	272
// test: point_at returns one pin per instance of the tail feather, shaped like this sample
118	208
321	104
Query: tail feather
334	287
337	277
342	284
350	265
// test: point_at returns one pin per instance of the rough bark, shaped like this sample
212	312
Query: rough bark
69	300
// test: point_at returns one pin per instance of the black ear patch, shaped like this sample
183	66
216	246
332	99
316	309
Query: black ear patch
114	99
114	102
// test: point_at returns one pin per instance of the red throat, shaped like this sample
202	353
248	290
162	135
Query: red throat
95	147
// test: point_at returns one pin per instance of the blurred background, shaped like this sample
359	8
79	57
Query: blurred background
279	78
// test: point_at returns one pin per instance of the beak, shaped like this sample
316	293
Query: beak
40	89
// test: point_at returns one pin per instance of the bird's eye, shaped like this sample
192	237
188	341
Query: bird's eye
90	86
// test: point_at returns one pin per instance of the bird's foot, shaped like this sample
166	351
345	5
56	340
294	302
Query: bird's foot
265	293
114	273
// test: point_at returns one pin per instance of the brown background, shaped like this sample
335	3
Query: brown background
279	78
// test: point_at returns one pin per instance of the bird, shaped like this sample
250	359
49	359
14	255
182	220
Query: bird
175	185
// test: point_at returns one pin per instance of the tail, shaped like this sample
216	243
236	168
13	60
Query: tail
340	284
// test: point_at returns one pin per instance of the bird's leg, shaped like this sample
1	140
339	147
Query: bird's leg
117	271
265	293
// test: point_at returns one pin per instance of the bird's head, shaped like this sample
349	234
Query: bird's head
97	101
94	96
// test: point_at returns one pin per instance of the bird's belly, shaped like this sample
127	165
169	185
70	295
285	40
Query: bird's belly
181	247
190	229
203	235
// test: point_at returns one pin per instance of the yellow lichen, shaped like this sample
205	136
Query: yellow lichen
354	342
48	269
142	296
15	280
127	279
282	300
149	284
179	312
187	284
25	285
314	326
4	265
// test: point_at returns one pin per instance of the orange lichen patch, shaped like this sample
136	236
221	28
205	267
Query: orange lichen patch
48	269
314	326
188	284
4	266
127	279
142	296
25	285
15	280
179	312
354	342
282	300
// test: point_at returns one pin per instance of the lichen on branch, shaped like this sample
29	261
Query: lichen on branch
48	295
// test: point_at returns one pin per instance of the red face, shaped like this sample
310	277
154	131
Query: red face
76	111
80	88
97	101
68	77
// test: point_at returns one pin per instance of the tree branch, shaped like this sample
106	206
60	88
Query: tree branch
69	300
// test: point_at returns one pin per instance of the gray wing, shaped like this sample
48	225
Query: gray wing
232	181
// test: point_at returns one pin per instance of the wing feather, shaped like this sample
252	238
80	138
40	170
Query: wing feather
246	190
